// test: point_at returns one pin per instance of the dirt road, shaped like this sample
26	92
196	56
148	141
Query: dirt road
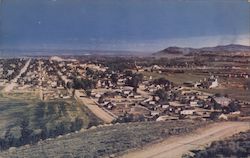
99	112
176	146
13	83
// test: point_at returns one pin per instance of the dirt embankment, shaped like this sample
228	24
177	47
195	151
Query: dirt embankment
176	146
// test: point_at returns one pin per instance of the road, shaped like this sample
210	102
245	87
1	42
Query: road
176	146
99	112
13	83
91	105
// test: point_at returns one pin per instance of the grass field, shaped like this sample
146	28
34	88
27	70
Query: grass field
17	107
177	78
235	93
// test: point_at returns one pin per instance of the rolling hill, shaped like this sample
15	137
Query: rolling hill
232	48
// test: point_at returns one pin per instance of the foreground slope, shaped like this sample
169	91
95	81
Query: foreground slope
104	141
235	146
176	146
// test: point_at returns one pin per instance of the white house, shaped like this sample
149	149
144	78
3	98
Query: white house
187	112
214	83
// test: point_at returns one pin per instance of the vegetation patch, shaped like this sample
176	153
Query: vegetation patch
27	121
236	146
106	140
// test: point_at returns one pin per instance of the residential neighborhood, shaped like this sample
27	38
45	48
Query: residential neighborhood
127	95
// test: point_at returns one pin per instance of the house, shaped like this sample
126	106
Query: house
176	104
165	106
214	83
155	113
223	117
152	102
187	112
137	96
235	113
222	101
194	104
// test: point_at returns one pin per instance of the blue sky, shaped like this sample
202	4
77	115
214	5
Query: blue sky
142	25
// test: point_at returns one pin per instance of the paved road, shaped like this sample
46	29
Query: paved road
13	83
99	112
176	146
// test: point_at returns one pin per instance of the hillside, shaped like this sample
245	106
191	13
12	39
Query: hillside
235	146
232	48
104	141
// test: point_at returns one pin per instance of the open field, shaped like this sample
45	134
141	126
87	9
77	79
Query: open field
177	78
239	94
56	117
233	92
106	140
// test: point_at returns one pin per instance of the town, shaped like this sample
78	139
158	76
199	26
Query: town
132	89
124	79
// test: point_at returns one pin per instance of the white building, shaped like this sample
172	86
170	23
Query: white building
187	112
214	83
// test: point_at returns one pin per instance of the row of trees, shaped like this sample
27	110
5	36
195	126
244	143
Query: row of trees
29	136
133	79
85	84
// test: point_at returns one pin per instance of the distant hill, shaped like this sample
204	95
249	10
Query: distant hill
184	51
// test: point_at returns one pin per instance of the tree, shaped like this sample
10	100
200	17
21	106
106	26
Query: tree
60	129
161	81
134	81
114	78
214	115
25	132
234	106
164	82
9	139
217	106
44	133
162	94
217	95
101	100
247	85
69	85
89	72
128	73
76	125
88	93
85	84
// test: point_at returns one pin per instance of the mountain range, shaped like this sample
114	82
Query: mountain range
232	48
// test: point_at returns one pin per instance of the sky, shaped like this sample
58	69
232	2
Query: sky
136	25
